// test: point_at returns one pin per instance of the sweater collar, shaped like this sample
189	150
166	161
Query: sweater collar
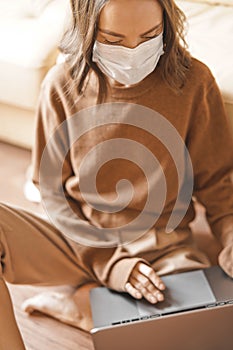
128	92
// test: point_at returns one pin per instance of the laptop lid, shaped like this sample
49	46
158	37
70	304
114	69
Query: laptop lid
204	329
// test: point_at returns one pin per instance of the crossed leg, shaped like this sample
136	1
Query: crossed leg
33	252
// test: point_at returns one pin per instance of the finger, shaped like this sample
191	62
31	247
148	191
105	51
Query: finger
141	278
146	283
148	292
132	291
156	292
137	285
143	290
151	275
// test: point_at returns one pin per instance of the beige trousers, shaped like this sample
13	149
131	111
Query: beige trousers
32	252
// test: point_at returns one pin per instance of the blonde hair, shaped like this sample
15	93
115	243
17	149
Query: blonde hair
79	39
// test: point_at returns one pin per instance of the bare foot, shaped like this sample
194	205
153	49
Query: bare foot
70	306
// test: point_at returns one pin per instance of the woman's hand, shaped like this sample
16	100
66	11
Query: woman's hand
143	282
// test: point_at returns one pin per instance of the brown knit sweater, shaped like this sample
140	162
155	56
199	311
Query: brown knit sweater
197	114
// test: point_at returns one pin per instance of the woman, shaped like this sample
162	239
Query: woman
130	52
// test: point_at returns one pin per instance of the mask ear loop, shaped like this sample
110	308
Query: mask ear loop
96	28
94	39
95	32
97	22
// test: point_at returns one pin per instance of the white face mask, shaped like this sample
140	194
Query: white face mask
125	65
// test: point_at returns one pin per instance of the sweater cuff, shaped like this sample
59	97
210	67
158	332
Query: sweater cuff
119	274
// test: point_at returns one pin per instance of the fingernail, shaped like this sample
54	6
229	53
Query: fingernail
152	299
161	286
160	297
138	295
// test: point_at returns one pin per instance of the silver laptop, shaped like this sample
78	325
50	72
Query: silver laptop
197	314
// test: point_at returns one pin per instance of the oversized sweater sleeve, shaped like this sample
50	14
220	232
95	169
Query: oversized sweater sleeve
111	266
210	144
